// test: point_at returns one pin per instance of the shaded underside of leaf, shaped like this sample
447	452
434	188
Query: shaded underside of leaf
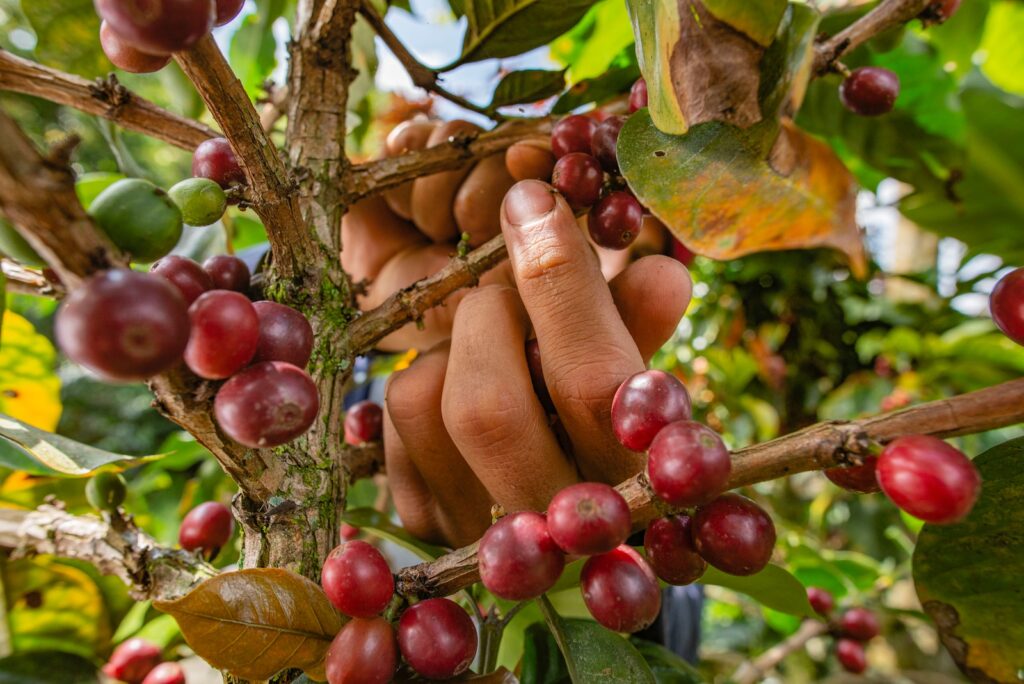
48	453
773	587
528	85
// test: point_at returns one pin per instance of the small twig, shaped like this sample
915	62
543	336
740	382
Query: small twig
28	281
754	670
887	15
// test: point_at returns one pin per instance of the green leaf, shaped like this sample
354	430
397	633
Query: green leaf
378	524
528	85
51	454
757	20
1004	61
47	667
67	35
773	587
88	186
542	661
252	52
668	668
968	575
602	40
616	80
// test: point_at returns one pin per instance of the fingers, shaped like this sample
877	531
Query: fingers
371	234
652	295
530	159
414	503
478	201
406	137
433	196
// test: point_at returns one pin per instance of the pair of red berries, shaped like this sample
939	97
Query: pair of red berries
856	627
136	661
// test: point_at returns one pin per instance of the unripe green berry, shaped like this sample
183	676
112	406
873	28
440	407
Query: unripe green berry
106	491
202	202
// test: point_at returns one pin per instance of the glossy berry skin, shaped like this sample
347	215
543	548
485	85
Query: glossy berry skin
106	491
870	91
357	579
214	159
860	479
437	638
928	479
185	274
206	528
124	325
588	518
603	144
225	334
363	423
364	652
227	272
132	660
536	368
671	553
1007	305
518	558
285	334
687	464
638	95
860	624
227	10
266	405
851	656
620	590
734	534
644	404
821	601
124	56
615	221
572	134
165	673
159	27
579	177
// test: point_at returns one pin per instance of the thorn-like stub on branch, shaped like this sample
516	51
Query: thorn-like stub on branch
60	153
110	91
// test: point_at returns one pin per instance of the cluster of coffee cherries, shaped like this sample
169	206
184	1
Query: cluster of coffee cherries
137	661
140	36
854	628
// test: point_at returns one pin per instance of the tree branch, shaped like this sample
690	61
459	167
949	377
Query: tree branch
102	97
29	281
887	15
755	670
824	445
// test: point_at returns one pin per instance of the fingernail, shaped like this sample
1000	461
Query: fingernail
528	201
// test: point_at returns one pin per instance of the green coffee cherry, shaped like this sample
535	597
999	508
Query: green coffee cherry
106	491
202	202
139	218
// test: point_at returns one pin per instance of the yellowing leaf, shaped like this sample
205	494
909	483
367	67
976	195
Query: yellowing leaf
29	387
254	623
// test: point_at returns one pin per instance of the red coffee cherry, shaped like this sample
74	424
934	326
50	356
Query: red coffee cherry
225	334
132	660
267	405
604	142
206	528
227	10
572	134
644	404
228	273
159	27
860	624
518	558
437	638
579	177
638	95
870	91
734	534
285	334
357	579
364	652
615	221
671	552
165	673
214	159
860	479
124	325
851	656
348	532
185	274
124	56
928	479
1007	305
688	464
620	590
588	518
821	601
364	422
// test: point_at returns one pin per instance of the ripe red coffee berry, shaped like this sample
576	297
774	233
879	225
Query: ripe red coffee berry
225	334
185	274
821	601
124	56
572	134
266	405
518	558
357	579
644	404
671	552
688	464
1007	305
860	479
227	10
348	532
734	534
870	91
620	590
638	95
132	660
860	624
928	478
124	325
214	159
604	141
285	334
851	656
228	272
588	518
615	221
159	27
165	673
206	528
364	652
437	638
579	177
363	423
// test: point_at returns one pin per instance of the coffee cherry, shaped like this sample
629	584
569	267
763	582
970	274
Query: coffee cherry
437	638
870	91
734	534
132	660
644	404
928	479
285	334
165	673
821	601
363	423
860	624
364	652
518	558
578	176
206	528
588	518
572	134
603	144
526	160
202	202
124	325
670	550
228	272
357	579
348	532
267	405
139	218
688	464
225	334
638	95
106	491
124	56
227	10
158	27
214	159
1007	305
185	274
620	590
851	656
615	221
536	368
860	479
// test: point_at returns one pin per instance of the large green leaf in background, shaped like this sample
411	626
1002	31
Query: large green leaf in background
252	51
1002	46
48	453
68	35
773	587
969	575
526	86
597	42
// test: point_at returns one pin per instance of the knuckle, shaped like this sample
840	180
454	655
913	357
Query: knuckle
586	383
485	414
410	392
